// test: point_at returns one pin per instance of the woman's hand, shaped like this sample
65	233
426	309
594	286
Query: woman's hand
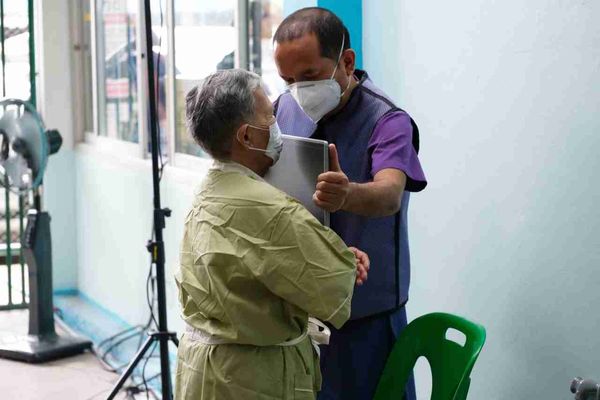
362	265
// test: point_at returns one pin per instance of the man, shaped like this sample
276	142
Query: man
375	165
254	262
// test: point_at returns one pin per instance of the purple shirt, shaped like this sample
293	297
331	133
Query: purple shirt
391	146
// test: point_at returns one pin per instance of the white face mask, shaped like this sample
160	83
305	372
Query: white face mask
317	98
275	145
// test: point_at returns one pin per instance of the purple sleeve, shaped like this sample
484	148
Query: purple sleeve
391	146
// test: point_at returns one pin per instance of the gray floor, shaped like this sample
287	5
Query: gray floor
77	378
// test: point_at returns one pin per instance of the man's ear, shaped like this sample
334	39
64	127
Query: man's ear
243	135
349	61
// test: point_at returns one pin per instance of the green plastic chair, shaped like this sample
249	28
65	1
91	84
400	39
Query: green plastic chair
450	363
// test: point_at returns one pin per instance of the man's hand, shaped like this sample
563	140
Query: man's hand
362	265
332	186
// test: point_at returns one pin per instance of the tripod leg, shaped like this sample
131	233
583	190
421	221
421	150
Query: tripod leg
125	375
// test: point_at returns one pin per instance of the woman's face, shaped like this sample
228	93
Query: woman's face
263	118
258	134
263	109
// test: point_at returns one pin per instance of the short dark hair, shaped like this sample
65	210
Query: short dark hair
218	106
327	26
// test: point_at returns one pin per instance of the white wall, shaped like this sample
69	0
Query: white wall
289	6
507	96
55	102
114	219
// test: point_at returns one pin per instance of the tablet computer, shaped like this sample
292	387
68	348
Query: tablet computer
302	161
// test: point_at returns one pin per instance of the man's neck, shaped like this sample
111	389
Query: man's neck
247	164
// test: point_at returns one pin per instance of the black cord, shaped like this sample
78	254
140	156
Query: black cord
123	339
110	338
132	332
140	328
114	345
97	349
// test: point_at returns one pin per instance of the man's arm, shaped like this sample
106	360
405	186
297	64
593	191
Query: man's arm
379	198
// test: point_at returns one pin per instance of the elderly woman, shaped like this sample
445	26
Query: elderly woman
254	262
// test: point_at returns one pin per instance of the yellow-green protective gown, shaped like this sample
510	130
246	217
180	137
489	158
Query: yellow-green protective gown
254	264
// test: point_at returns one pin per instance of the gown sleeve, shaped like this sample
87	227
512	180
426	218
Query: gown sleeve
308	265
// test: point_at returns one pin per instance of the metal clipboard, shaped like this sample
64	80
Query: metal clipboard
302	161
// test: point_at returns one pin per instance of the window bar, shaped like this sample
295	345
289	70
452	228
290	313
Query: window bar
170	83
126	135
255	16
141	70
6	192
241	23
32	71
2	43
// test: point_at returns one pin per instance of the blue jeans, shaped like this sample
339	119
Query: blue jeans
354	359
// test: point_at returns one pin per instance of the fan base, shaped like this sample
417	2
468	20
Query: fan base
37	349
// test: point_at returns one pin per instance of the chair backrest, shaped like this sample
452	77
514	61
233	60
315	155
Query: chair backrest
451	363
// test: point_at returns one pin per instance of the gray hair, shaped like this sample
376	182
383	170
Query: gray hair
218	106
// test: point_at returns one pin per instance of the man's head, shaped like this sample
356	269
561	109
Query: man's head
308	47
229	116
328	29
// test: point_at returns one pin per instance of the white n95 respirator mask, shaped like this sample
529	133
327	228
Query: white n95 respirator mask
317	98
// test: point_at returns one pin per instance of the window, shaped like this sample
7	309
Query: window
205	41
83	64
265	17
15	46
191	39
116	68
17	80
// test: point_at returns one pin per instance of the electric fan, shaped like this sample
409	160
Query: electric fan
25	146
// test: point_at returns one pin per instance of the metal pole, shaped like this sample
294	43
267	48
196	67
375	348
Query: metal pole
7	206
158	251
32	72
241	24
3	52
155	247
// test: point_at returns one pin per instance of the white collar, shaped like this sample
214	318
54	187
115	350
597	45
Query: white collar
232	166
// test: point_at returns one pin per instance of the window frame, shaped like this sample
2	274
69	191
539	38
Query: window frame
139	150
118	146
